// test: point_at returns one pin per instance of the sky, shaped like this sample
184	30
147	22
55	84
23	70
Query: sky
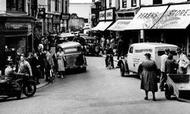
81	1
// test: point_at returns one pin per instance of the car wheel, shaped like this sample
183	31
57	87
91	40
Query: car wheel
29	89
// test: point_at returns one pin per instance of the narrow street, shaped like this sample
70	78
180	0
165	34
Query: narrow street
97	91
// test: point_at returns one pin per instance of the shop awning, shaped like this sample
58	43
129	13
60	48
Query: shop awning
119	25
102	26
176	17
146	18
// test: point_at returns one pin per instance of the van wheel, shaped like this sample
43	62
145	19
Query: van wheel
122	69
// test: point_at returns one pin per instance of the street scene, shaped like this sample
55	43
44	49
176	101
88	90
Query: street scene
94	56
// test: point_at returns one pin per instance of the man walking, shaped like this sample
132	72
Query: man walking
163	73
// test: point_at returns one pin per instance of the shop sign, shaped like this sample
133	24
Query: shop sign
102	15
65	16
176	17
108	15
146	17
16	26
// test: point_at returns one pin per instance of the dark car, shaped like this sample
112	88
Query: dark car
92	46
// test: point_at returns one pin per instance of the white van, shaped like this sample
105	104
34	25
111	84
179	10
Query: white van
136	53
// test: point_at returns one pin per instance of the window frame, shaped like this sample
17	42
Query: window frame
16	5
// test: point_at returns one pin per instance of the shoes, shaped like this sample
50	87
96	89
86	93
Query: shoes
146	98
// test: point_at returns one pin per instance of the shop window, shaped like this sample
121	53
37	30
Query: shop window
16	5
124	3
157	1
134	3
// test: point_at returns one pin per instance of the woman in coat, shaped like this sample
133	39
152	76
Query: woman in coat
60	62
148	71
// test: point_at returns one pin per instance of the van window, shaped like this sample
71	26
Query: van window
143	50
160	53
131	50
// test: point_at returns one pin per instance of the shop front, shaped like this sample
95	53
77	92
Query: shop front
16	35
163	23
56	23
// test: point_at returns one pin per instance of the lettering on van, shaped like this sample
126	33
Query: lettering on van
143	50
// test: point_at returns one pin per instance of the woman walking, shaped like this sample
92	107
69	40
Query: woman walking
60	61
148	71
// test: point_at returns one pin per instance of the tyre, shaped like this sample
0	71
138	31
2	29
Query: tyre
122	69
83	69
19	96
29	89
168	92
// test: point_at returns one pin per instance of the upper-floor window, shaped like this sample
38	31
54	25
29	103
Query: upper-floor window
157	1
66	6
133	3
16	5
110	3
124	3
49	5
57	5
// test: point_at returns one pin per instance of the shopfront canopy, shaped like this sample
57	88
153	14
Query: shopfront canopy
146	18
176	17
119	25
102	26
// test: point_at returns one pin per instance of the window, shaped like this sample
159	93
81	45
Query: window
49	5
57	5
131	50
16	5
134	3
124	3
110	3
157	1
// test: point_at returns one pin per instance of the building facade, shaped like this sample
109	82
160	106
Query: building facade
56	16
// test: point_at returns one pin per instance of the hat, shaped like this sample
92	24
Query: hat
148	55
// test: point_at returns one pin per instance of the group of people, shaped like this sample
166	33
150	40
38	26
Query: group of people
40	64
149	72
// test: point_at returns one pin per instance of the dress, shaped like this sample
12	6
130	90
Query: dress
60	61
149	76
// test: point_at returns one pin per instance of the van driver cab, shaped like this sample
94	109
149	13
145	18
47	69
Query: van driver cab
136	56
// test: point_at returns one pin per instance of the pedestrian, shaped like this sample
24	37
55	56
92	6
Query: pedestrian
170	65
183	62
24	66
148	73
120	46
48	65
109	56
162	68
60	60
41	57
10	69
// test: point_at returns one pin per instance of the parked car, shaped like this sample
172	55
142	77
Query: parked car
136	52
92	46
75	58
64	37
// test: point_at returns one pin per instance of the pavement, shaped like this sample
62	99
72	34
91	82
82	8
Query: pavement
43	83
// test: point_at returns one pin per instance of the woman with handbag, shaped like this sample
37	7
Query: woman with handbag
60	60
148	71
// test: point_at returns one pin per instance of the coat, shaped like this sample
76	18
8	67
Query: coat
148	72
